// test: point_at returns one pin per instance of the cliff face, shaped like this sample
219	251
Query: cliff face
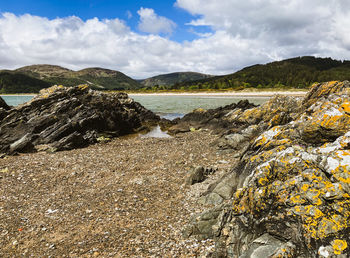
289	191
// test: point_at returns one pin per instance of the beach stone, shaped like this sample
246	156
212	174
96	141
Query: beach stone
198	175
68	118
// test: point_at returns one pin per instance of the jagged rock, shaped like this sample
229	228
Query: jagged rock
198	175
3	104
66	118
23	144
292	182
215	119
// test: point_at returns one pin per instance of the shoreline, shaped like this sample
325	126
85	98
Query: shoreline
18	95
225	94
210	94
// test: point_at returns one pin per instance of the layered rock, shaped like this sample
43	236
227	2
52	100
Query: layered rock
291	186
62	118
217	119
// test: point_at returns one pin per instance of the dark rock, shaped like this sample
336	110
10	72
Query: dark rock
215	119
68	118
3	104
23	144
198	175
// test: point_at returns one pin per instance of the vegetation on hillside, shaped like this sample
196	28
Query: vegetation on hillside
300	72
11	82
173	78
96	78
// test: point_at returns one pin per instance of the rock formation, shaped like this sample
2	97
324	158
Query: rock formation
217	119
290	189
62	118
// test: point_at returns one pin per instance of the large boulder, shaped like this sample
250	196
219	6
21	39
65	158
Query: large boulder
65	118
291	187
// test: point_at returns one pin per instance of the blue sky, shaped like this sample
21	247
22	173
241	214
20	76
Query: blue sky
109	9
145	38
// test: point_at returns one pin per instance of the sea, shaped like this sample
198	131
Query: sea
167	106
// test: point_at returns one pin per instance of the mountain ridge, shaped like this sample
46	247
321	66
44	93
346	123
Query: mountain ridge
298	72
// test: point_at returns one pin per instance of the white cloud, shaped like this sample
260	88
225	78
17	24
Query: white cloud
279	28
243	33
150	22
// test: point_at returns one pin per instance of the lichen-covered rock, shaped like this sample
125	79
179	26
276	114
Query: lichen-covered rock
65	118
293	180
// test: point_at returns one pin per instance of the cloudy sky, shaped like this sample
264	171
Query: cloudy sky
149	37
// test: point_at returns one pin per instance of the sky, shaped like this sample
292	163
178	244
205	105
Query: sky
144	38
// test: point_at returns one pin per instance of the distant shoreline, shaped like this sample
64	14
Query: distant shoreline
19	94
213	94
225	94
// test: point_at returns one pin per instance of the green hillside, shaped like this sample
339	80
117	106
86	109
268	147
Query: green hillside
12	82
173	78
96	78
298	72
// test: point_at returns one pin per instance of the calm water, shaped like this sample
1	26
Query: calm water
173	105
168	106
13	100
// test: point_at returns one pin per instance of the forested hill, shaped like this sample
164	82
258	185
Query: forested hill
11	82
298	72
35	77
173	78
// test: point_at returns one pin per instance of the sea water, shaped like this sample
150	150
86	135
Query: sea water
167	106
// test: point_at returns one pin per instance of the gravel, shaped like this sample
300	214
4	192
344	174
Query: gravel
124	198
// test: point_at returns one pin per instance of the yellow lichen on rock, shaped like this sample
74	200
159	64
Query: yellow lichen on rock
339	246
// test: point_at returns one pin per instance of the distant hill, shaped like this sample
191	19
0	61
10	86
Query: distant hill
12	82
298	72
173	78
25	78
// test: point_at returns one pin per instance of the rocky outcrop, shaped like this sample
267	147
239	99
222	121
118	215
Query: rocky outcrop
3	108
291	186
3	104
62	118
217	119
